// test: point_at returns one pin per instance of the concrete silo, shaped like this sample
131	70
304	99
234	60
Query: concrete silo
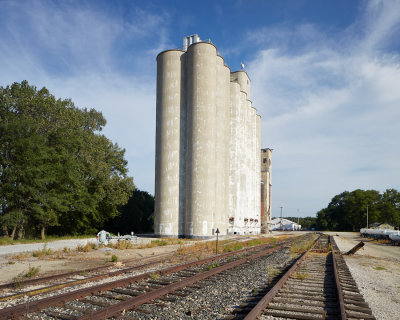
266	167
258	170
221	216
234	146
207	145
168	143
201	135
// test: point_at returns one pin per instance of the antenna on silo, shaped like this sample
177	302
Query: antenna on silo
242	65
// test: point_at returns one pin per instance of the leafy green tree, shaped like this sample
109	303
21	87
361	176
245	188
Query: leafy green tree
306	223
348	210
56	170
136	215
390	207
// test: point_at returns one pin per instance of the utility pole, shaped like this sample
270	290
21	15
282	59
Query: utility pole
367	216
281	219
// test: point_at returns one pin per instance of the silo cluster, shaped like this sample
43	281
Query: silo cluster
208	172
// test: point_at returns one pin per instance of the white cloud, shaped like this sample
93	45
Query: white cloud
95	58
330	111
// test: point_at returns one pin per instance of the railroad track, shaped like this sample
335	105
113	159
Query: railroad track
36	286
318	286
18	289
112	298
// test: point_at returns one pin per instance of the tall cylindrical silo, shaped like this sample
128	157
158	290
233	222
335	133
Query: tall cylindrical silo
234	174
243	79
168	143
254	164
201	129
221	215
258	171
242	154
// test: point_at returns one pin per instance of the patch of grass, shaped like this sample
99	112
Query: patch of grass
162	242
379	268
87	247
42	253
21	256
212	266
302	276
11	262
18	282
301	245
154	276
66	250
32	271
114	258
123	245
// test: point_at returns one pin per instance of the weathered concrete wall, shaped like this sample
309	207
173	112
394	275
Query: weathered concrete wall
258	171
266	167
234	173
243	79
222	146
201	133
168	143
207	146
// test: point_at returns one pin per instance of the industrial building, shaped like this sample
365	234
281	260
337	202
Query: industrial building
266	189
208	146
284	225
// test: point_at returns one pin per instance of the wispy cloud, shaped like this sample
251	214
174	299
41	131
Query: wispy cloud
330	106
99	59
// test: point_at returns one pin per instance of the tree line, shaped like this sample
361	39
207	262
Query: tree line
307	223
347	211
57	171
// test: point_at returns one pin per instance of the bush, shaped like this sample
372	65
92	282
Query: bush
87	247
33	271
41	253
123	244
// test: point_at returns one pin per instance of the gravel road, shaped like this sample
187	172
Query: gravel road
54	245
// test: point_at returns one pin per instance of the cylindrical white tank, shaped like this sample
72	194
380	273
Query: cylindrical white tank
234	175
243	168
258	170
243	79
168	142
201	130
221	216
252	166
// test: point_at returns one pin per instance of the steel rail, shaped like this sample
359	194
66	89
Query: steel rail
28	282
131	303
54	287
343	314
35	306
72	283
266	300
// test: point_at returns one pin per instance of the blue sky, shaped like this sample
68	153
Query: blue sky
325	79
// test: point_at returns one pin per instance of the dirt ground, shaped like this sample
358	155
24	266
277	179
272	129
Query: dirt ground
14	265
19	264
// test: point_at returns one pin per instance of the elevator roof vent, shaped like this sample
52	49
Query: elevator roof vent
187	41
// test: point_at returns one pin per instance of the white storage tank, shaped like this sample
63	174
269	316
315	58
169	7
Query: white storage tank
168	143
201	131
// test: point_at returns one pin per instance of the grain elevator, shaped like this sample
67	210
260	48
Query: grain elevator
208	146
